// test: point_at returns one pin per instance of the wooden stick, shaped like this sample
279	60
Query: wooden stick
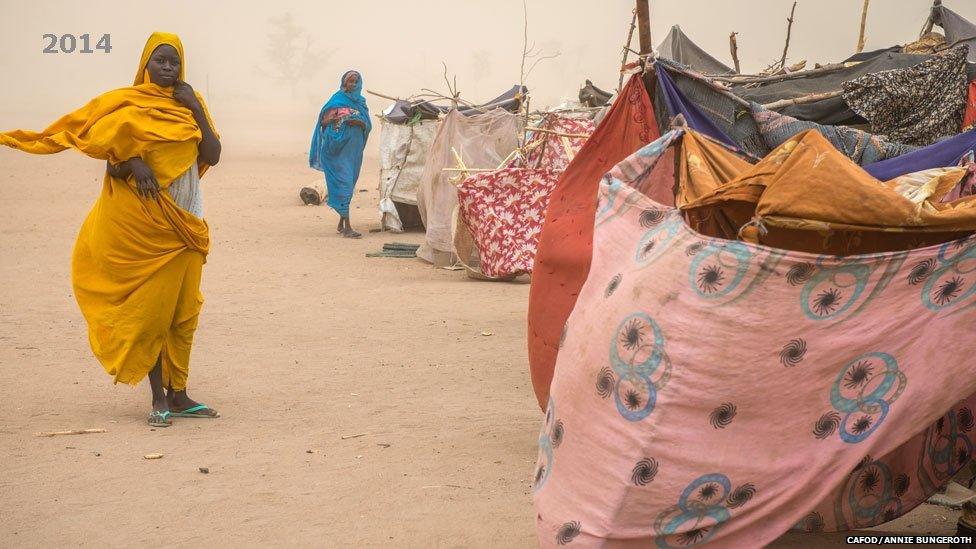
377	94
789	29
567	148
811	98
347	437
644	26
864	20
630	38
71	432
558	134
734	46
929	23
746	79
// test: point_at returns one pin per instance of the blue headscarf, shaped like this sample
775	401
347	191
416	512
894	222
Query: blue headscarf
338	151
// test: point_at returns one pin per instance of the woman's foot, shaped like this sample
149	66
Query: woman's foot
341	227
349	233
160	418
183	406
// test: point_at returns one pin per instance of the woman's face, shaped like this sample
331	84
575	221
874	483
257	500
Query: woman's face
164	66
349	83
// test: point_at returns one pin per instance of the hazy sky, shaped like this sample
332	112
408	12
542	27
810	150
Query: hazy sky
399	46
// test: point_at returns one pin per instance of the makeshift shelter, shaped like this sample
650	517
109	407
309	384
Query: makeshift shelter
479	141
407	129
562	260
403	153
676	46
801	385
504	209
828	111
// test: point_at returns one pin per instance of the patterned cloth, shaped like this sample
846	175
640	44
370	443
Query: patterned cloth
917	105
549	151
504	211
717	392
860	146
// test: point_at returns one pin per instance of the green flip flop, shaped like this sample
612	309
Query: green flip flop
200	410
160	419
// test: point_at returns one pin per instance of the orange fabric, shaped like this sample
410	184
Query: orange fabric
969	118
807	196
565	244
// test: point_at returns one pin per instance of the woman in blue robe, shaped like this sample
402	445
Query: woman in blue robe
337	146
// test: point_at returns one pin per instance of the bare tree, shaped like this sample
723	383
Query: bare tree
290	51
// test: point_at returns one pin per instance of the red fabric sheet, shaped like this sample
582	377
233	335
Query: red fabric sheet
970	117
565	244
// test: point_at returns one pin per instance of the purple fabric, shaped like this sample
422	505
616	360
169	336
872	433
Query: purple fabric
678	104
937	155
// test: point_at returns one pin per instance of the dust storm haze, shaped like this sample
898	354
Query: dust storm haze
264	101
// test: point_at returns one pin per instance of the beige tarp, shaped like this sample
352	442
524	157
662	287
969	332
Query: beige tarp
403	153
482	141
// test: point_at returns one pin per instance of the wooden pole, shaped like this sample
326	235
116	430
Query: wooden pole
864	19
747	79
644	26
803	99
630	38
929	23
789	28
734	47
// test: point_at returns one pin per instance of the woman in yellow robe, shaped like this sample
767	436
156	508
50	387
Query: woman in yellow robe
139	256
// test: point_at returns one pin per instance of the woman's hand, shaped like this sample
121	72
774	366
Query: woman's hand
355	122
183	94
146	184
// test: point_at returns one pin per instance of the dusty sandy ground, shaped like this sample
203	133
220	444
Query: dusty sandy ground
303	340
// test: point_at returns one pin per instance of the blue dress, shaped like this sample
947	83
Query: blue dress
337	149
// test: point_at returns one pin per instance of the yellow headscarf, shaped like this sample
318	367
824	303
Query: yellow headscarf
157	39
137	263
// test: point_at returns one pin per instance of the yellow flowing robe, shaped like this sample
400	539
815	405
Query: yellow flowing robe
137	263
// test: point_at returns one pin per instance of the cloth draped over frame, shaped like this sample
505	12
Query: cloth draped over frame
807	196
862	412
337	148
945	153
860	146
563	256
916	105
504	209
678	104
137	263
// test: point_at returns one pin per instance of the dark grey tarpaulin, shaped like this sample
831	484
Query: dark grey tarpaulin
404	111
592	96
833	111
865	55
957	31
676	46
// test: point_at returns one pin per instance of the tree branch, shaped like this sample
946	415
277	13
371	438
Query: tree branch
789	29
